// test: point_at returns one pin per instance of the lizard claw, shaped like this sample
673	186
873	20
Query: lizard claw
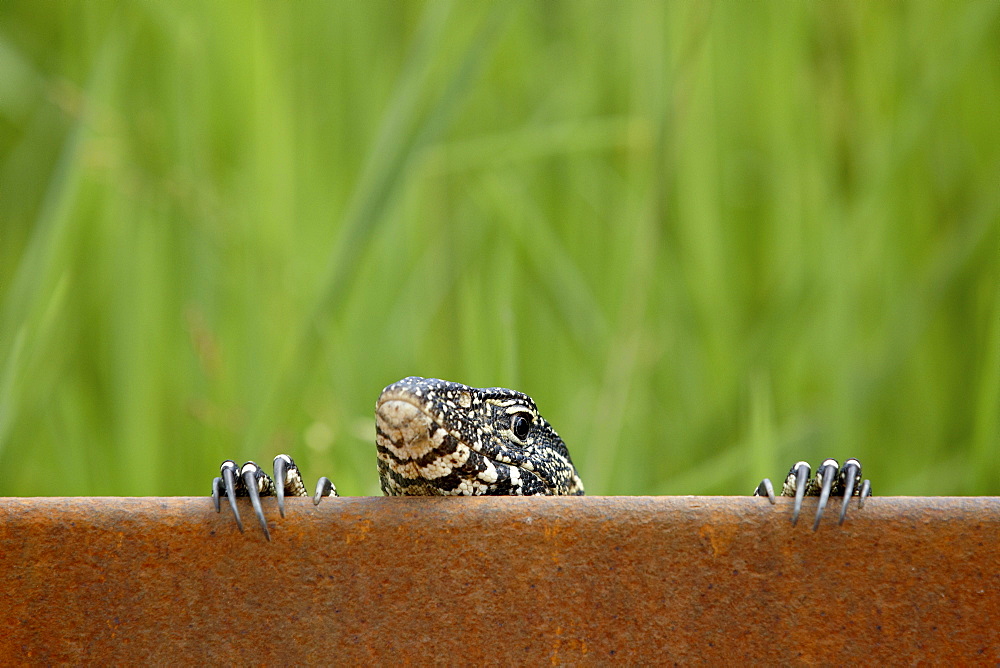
256	481
281	465
829	481
287	480
825	476
866	491
227	484
799	475
250	480
765	488
217	490
849	474
324	488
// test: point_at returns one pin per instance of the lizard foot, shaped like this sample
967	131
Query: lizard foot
830	479
250	480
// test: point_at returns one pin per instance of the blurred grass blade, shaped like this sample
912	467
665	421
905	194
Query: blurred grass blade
393	153
40	279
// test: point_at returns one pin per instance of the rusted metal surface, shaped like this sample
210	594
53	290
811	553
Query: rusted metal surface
586	580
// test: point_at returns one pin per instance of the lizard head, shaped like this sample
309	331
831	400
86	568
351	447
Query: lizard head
442	438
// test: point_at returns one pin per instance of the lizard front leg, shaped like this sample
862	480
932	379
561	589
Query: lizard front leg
251	481
829	480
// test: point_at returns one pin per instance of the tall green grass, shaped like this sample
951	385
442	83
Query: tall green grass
709	239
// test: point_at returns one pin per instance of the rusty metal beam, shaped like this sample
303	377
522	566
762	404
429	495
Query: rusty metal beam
499	580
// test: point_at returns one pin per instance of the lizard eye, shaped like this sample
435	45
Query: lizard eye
520	426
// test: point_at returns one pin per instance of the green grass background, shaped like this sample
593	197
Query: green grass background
710	239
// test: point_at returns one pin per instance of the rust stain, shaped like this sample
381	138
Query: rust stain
358	532
720	533
589	580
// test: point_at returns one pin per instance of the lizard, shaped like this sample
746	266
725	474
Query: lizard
439	438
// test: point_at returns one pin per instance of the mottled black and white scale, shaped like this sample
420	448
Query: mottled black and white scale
438	438
435	437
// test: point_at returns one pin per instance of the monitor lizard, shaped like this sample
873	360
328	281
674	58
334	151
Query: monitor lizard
438	438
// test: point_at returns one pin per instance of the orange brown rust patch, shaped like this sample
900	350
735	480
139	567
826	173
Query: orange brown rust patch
590	580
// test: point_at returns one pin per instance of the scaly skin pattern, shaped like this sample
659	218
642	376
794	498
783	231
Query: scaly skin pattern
435	437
